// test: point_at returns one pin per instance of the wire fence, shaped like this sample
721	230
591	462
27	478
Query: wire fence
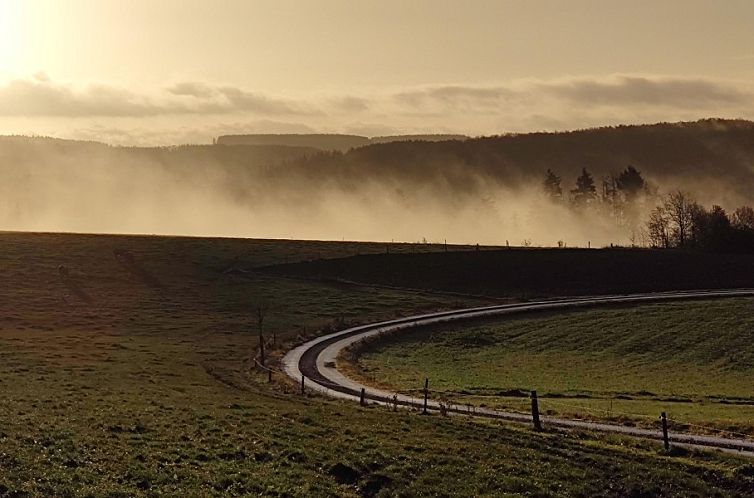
447	401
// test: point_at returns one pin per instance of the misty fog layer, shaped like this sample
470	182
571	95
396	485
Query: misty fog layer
486	191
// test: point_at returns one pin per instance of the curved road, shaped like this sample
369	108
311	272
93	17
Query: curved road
314	361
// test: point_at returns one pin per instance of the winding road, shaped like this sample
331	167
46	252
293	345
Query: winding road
314	363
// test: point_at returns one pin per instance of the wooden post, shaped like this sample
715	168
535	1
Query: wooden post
362	401
261	346
395	402
535	411
426	395
302	384
665	439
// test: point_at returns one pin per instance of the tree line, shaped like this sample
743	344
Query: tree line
681	222
675	220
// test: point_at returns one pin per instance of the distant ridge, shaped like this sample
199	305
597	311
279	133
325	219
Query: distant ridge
711	158
416	138
324	141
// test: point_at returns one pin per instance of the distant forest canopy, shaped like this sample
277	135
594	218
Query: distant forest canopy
326	142
712	158
486	190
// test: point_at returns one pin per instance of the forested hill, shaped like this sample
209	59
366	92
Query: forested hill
327	142
21	150
485	190
712	158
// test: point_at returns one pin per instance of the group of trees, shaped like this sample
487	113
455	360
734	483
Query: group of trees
675	221
621	196
629	183
681	222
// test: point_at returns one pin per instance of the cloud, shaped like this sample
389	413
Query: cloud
241	100
682	93
198	111
40	96
350	104
455	96
610	91
192	89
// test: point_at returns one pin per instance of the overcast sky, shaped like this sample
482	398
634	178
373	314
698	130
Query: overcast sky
170	71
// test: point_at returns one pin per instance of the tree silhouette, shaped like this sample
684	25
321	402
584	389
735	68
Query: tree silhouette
680	209
631	183
585	191
552	186
743	218
658	228
681	222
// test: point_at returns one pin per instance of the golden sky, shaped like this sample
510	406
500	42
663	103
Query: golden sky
164	71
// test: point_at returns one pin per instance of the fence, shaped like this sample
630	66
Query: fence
439	401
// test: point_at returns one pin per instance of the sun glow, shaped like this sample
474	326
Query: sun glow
11	30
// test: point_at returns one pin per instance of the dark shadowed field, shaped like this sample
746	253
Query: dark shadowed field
531	273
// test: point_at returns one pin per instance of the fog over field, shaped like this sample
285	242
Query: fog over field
127	194
485	190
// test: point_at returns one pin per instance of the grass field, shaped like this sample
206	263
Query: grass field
694	360
533	272
129	376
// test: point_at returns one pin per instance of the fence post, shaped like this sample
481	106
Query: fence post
302	384
535	411
395	402
362	401
665	439
261	346
426	395
269	375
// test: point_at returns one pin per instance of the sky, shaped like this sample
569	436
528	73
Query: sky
149	72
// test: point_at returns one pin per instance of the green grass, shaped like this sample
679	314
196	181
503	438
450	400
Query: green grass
694	360
143	389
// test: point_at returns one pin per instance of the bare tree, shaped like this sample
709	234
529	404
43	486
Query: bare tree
680	210
658	228
743	218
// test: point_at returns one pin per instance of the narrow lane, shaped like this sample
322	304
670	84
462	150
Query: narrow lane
315	362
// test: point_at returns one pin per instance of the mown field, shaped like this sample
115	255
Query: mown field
124	371
693	360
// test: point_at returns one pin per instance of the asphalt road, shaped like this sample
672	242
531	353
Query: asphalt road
315	362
